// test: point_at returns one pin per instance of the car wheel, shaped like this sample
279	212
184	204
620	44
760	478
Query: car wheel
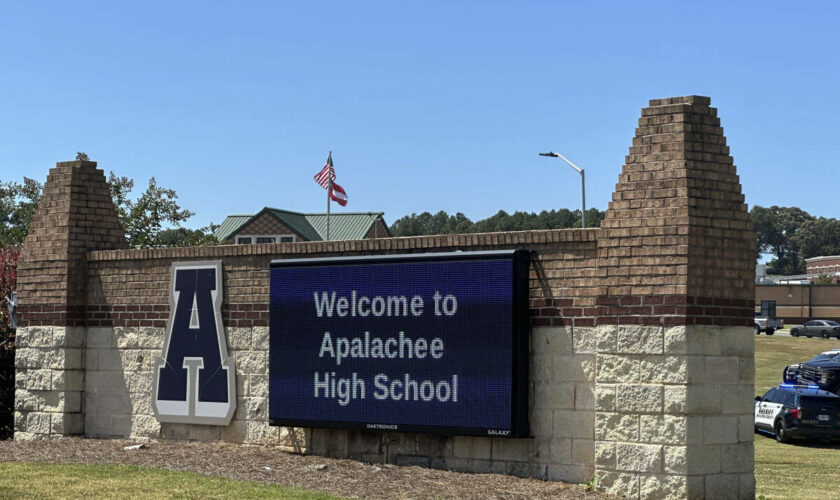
825	334
780	431
794	333
757	330
770	331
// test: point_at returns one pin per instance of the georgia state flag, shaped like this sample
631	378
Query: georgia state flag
338	195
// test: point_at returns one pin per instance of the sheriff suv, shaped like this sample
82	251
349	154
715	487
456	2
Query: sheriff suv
798	411
823	370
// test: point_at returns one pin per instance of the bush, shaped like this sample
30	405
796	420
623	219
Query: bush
8	275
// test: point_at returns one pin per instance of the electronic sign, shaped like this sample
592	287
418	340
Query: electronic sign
432	343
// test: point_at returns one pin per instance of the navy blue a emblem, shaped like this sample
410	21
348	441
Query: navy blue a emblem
194	380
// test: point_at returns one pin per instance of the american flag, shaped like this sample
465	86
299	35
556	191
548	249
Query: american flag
326	175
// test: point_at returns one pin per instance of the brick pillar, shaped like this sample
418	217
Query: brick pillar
675	369
75	215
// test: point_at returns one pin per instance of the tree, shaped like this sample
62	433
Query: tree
143	219
817	237
18	203
442	223
776	228
183	237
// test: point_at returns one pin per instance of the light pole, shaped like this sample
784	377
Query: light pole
582	184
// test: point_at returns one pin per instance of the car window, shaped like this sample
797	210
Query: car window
789	399
770	395
827	356
832	323
817	403
812	323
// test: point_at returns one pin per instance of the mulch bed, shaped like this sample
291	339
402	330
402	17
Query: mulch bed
346	478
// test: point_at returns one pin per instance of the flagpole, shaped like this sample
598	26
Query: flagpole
329	190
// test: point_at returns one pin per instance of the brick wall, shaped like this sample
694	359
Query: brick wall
641	359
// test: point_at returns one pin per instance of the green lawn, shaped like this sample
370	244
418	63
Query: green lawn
38	480
805	470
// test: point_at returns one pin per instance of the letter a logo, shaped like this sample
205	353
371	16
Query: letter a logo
194	380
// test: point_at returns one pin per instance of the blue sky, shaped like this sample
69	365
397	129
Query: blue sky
426	106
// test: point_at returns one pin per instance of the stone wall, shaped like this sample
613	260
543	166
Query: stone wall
641	359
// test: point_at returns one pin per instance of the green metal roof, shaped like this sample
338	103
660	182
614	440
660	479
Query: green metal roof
311	227
344	226
230	225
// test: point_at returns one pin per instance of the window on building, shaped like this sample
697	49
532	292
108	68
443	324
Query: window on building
243	240
287	239
247	239
266	239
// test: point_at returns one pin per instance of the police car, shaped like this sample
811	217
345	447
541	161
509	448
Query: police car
798	411
822	370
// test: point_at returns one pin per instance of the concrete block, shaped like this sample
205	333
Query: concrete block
661	487
574	424
151	338
236	432
703	399
204	432
569	473
721	369
584	396
38	336
639	398
68	380
38	423
39	380
259	339
722	486
619	484
746	370
746	485
527	470
584	340
541	367
521	450
640	340
554	395
145	426
262	433
26	401
674	340
29	358
100	337
720	430
737	458
617	369
140	382
664	369
583	452
737	341
662	429
737	399
541	423
605	397
616	427
692	460
126	337
638	457
252	362
471	447
561	451
607	338
258	386
239	339
573	368
551	340
604	455
70	336
675	397
703	340
746	428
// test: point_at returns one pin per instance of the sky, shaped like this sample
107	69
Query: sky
426	106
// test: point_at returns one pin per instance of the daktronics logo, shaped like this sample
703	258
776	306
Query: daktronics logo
383	427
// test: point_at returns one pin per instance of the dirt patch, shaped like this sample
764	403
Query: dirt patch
346	478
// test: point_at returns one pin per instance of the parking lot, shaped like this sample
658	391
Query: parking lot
797	470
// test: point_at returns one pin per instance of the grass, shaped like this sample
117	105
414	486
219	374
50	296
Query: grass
806	470
21	480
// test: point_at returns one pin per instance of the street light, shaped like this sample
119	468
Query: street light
552	154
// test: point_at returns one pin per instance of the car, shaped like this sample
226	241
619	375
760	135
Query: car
824	328
792	411
766	324
823	370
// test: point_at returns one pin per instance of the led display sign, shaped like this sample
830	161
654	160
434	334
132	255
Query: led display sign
411	343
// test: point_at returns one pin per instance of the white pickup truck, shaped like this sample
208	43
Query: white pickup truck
767	325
